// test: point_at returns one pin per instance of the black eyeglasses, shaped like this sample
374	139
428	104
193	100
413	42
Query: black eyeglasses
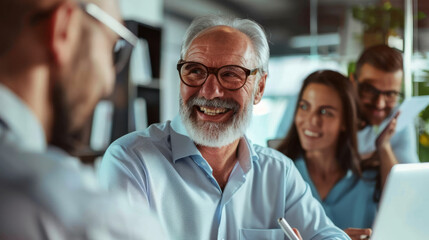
231	77
368	91
124	46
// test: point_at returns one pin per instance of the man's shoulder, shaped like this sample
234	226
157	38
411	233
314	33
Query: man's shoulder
39	170
70	191
23	218
268	155
405	131
372	131
154	133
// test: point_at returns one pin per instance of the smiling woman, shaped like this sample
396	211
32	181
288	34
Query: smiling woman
319	118
333	99
323	145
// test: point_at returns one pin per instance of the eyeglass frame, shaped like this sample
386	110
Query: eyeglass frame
215	71
100	15
114	25
376	92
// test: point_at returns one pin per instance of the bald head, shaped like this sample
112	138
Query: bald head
222	41
222	35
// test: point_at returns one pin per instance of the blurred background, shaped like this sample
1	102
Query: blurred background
304	36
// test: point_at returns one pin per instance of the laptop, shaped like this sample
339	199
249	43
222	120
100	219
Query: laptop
404	205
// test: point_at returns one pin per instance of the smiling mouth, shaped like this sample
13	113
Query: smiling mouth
212	111
311	133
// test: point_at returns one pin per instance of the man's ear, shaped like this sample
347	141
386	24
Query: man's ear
63	32
260	89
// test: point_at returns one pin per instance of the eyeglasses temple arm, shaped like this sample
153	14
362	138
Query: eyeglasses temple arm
109	21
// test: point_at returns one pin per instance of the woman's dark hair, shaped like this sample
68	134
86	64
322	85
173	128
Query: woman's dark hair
347	153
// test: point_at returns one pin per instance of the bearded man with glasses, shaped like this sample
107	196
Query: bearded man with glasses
378	78
57	60
200	174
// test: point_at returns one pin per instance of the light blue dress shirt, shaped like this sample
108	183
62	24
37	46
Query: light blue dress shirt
47	194
18	124
163	166
350	202
403	142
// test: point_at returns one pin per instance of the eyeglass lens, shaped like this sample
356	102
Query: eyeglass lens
230	77
371	92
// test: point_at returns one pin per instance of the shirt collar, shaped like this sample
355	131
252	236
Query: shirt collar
182	146
21	121
246	154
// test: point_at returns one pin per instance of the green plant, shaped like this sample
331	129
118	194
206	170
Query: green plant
423	89
381	19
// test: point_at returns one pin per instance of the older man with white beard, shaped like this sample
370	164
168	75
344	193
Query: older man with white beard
199	172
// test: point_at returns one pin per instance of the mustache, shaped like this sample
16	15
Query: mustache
214	103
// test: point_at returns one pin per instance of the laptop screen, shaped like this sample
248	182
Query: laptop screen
404	206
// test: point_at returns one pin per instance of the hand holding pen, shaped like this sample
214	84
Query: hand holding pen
291	233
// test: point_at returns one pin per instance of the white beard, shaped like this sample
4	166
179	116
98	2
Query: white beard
212	134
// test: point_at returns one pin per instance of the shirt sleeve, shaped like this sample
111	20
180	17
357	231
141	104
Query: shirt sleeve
305	212
22	218
121	170
404	145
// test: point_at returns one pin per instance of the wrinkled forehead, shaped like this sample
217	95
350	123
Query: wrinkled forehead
226	32
222	40
223	35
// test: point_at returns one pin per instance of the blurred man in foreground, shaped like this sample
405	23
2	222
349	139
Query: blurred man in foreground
56	62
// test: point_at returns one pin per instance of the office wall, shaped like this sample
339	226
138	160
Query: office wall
173	32
146	11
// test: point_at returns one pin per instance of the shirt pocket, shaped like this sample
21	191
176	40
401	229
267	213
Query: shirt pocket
261	234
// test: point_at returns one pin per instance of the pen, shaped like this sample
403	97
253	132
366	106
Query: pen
287	229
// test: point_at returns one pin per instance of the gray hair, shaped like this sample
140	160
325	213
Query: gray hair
250	28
